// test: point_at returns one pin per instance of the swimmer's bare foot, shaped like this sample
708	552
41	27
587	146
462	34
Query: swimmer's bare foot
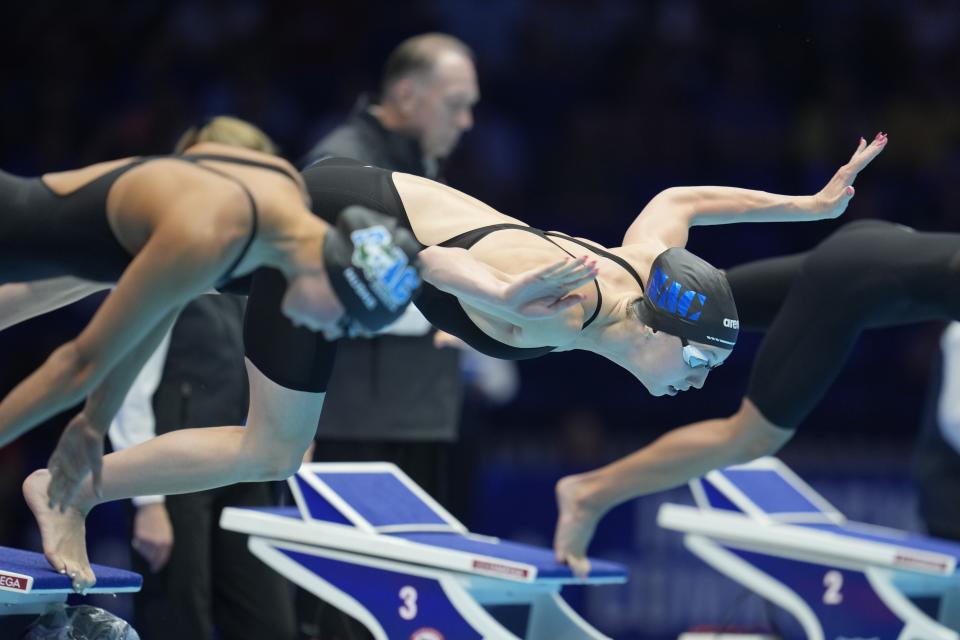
63	534
575	525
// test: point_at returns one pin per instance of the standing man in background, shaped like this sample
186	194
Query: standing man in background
397	396
378	406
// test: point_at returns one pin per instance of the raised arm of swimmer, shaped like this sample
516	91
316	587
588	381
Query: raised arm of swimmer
673	211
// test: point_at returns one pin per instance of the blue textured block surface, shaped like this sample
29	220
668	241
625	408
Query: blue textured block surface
33	564
770	491
381	499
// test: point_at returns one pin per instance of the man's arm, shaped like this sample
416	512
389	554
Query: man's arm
673	459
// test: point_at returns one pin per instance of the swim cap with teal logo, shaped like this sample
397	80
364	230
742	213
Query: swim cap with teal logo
690	298
372	265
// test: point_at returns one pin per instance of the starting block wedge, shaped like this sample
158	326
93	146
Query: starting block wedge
764	527
368	540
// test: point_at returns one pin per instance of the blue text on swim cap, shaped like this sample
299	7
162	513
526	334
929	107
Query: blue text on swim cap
671	297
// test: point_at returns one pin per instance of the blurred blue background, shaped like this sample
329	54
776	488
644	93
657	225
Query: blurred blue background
588	109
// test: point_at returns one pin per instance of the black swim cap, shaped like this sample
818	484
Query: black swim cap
689	298
372	265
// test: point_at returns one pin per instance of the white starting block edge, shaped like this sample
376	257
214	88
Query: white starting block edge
801	543
455	586
351	540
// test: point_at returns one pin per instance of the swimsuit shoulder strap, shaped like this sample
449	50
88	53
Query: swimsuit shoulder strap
601	251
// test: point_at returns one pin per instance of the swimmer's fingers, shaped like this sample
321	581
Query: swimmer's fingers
833	199
575	274
79	452
544	292
560	268
864	155
64	477
859	149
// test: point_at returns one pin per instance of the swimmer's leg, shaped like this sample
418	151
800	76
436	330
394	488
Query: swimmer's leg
280	427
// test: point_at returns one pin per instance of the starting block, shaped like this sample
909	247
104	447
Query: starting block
29	585
764	527
369	541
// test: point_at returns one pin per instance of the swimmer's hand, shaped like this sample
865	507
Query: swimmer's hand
79	452
547	291
576	522
538	293
833	199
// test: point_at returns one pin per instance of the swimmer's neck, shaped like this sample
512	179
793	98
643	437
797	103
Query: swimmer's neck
594	338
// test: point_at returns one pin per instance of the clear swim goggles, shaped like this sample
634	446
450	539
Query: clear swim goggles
695	358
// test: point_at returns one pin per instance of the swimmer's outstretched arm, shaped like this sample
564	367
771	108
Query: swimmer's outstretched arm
673	211
675	458
175	265
537	293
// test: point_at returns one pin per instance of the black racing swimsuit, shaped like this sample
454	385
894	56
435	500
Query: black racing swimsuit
813	306
302	360
46	235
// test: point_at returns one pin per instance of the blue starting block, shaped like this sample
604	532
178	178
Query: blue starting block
368	540
28	584
764	527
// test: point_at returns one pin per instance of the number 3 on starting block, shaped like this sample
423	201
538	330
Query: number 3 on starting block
408	595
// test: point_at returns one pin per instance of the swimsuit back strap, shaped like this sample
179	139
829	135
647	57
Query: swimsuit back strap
193	157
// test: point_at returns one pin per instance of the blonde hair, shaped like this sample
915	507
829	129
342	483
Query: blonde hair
227	130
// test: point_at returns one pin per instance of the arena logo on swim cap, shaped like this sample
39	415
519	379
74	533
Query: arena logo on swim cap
730	323
671	297
385	266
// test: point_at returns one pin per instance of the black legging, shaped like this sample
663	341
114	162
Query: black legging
813	306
